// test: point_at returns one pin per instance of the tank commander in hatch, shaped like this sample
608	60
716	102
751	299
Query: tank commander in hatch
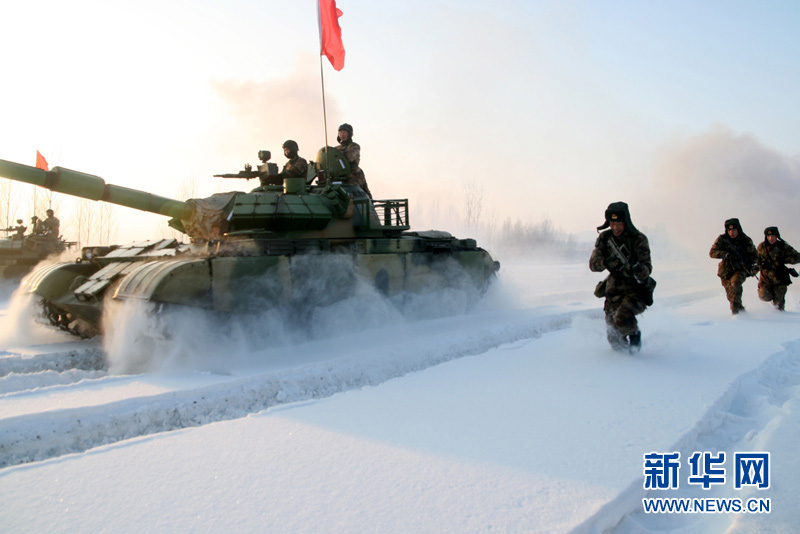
51	226
296	167
19	229
352	152
773	255
625	252
738	255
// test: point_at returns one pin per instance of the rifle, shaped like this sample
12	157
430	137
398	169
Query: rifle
774	265
648	284
748	267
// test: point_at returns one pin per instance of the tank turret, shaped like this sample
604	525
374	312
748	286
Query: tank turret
296	209
246	240
20	253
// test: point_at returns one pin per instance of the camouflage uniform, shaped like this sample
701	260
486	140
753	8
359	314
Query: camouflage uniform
625	295
19	230
296	167
738	258
352	152
51	226
772	259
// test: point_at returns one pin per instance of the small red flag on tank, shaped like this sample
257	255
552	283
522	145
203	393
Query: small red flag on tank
41	163
331	44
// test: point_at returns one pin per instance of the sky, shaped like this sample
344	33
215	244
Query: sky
514	417
554	109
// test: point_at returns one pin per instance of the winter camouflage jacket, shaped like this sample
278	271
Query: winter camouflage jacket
736	254
772	260
352	152
635	247
296	167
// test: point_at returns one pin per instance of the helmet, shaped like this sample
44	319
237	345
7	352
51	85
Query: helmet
290	144
50	213
347	128
19	221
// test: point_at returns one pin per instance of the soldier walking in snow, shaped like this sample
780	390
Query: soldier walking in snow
738	255
773	255
625	252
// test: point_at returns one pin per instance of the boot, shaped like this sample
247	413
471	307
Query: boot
615	339
635	342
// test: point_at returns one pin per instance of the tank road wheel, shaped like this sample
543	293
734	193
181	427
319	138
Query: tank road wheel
65	321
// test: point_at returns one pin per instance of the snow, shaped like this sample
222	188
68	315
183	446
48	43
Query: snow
514	417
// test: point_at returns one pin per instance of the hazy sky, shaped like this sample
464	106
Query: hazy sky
554	108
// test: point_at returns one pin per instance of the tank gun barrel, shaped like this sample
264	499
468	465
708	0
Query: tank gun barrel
89	186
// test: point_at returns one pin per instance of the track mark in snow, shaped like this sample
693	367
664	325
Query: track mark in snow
39	436
16	383
742	419
86	359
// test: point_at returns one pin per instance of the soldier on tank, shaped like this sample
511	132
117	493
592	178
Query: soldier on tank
19	229
296	167
36	226
738	255
773	255
51	226
352	151
625	252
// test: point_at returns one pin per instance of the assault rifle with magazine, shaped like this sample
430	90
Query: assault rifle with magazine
738	261
647	286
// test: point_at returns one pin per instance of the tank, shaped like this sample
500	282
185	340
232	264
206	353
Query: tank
250	250
20	252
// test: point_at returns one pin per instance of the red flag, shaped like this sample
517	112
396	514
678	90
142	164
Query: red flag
41	163
331	33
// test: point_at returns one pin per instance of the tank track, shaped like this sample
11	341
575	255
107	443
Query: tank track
60	319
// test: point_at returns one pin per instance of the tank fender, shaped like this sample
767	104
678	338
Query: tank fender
186	282
53	280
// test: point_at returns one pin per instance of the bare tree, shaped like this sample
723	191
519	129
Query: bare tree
43	200
9	202
40	201
84	220
107	223
473	203
96	223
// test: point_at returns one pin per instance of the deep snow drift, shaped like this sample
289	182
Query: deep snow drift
514	417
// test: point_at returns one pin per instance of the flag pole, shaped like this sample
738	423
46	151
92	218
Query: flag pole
322	81
324	111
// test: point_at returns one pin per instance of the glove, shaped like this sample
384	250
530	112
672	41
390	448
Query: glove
639	271
613	264
627	270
